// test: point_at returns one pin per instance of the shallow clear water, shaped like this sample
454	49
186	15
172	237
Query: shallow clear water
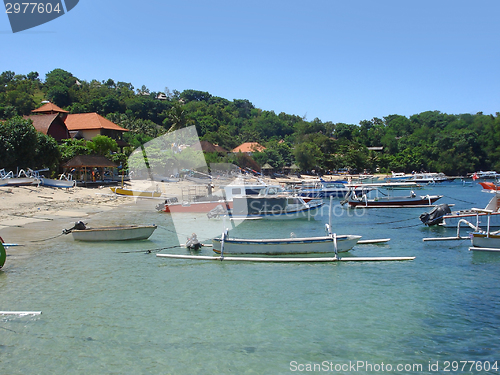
111	308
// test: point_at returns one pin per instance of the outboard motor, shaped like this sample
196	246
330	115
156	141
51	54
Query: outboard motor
436	215
79	225
192	242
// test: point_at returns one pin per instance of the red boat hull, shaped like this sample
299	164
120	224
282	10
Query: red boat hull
200	207
489	186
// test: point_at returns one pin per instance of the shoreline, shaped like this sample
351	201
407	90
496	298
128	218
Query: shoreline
46	208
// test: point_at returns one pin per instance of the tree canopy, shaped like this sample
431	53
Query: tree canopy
434	141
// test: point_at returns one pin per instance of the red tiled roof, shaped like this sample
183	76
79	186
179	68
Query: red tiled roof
249	147
88	121
49	107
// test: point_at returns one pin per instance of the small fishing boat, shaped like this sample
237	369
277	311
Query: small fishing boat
115	233
422	178
274	203
411	200
61	183
485	175
323	189
136	193
202	199
23	178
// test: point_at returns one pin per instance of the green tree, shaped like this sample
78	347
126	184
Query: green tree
102	145
47	153
18	144
307	156
69	148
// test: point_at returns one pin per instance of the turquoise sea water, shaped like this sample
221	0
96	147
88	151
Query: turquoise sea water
111	308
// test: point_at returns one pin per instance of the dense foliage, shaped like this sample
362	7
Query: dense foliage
21	146
432	141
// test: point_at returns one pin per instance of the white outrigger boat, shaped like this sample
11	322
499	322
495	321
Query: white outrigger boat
331	244
113	233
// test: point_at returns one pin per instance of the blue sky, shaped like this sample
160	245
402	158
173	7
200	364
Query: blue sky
339	61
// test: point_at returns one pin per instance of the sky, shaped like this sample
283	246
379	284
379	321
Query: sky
340	61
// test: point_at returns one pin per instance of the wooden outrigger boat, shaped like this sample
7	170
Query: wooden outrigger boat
115	233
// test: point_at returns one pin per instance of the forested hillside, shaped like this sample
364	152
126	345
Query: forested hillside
451	143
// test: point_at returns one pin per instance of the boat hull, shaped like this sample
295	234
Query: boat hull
395	202
199	207
119	233
290	213
489	186
57	183
135	193
21	181
286	246
484	241
452	221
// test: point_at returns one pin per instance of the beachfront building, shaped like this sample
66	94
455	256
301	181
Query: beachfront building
60	124
88	125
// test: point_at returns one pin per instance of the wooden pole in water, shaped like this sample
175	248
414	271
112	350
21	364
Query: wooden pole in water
285	260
